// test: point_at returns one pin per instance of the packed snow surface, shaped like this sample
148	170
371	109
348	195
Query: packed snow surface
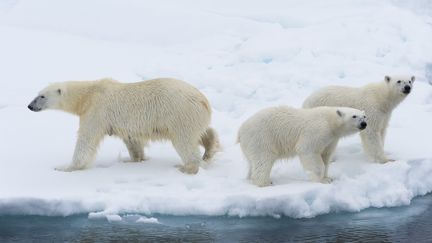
244	56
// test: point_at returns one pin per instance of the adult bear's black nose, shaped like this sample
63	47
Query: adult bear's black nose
407	89
32	108
363	125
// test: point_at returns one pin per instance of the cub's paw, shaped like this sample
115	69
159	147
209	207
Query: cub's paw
326	180
386	161
262	183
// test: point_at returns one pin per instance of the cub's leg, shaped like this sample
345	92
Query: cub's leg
314	164
259	171
250	169
326	156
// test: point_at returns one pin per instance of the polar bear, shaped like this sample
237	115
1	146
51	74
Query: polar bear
156	109
378	100
283	132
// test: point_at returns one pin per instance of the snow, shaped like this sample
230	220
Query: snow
243	55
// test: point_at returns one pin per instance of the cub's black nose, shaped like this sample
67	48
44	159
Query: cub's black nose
363	125
407	89
30	107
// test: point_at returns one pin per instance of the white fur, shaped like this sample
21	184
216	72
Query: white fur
283	132
378	101
136	112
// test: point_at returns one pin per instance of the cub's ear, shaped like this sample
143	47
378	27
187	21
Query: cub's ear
412	78
387	79
59	91
340	113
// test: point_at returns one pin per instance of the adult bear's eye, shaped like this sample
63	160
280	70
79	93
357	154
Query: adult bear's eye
354	117
399	82
43	97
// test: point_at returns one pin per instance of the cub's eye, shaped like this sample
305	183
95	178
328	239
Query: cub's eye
42	97
354	116
409	81
399	82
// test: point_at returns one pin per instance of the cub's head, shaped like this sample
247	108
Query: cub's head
48	98
400	84
353	120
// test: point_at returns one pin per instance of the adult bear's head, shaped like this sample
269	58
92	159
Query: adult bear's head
400	84
49	98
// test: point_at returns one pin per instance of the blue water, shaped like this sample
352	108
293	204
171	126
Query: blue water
401	224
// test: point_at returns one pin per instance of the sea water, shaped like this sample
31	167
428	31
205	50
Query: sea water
400	224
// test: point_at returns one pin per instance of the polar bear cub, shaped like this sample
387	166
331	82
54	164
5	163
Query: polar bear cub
283	132
378	100
158	109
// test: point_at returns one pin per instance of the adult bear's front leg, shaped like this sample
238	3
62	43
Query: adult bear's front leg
85	148
373	145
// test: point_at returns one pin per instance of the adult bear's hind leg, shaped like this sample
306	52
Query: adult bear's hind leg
189	152
135	148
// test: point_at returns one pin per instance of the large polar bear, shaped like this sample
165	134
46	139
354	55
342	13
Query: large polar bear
378	101
136	112
283	132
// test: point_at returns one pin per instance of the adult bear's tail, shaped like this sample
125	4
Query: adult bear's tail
210	141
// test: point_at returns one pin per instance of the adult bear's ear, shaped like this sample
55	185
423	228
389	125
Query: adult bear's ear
412	78
387	79
340	113
59	91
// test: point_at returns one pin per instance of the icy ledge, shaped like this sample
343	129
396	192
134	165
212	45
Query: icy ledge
389	185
